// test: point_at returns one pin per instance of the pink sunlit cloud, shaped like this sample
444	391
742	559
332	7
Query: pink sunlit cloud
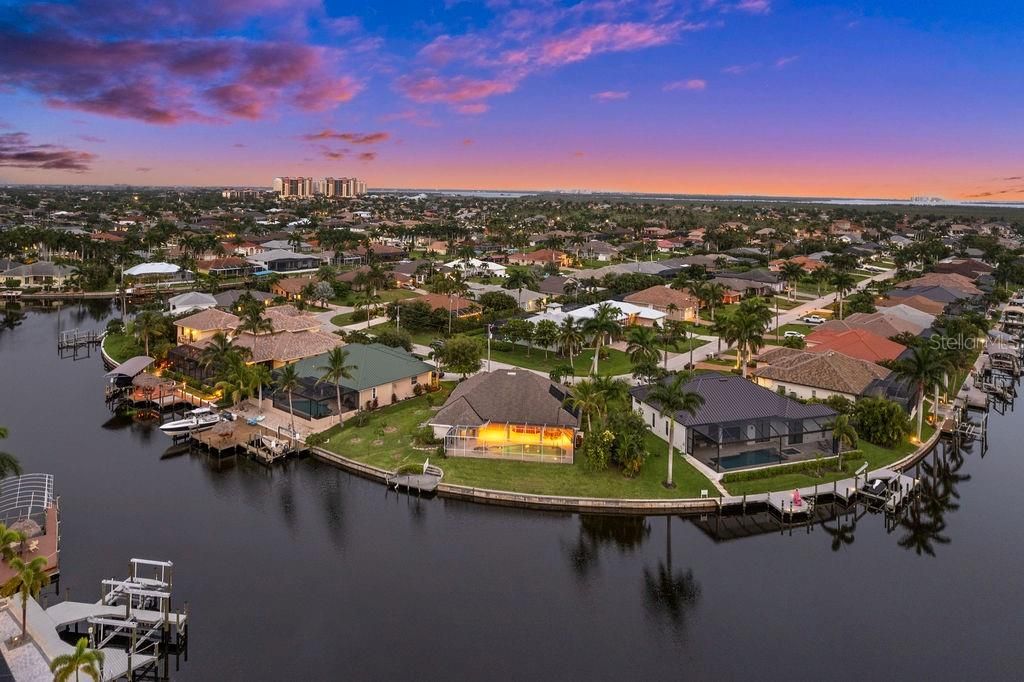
472	109
367	156
692	84
354	138
754	6
610	95
783	62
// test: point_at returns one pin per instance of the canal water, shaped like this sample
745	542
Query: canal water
305	572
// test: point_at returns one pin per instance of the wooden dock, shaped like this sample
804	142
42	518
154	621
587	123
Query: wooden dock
255	440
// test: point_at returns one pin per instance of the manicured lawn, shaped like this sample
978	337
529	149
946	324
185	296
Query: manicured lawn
346	319
785	303
386	296
421	337
795	327
386	442
876	457
120	347
705	313
685	346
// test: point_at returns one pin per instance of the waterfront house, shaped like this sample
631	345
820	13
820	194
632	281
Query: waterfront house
381	375
229	298
677	304
857	343
229	266
803	374
189	302
39	274
280	260
741	424
204	324
508	414
474	267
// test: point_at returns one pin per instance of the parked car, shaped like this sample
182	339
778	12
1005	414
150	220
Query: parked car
813	319
793	335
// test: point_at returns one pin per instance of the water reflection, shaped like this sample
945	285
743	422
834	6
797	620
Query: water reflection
625	533
924	523
843	533
670	593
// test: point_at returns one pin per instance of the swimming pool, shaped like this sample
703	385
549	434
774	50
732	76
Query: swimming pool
750	458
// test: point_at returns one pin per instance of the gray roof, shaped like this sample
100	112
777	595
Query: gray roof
374	365
131	366
226	299
506	396
40	269
192	298
731	398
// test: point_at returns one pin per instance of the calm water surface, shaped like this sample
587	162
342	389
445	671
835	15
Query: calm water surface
305	572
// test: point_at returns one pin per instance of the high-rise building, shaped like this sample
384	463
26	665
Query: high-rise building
299	188
334	188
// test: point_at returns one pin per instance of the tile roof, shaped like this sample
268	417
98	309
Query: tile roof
731	398
925	305
881	323
208	320
663	295
829	370
288	346
506	396
857	343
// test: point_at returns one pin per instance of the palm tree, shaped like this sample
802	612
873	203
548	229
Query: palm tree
9	464
288	381
605	322
368	302
711	295
924	368
334	370
844	282
642	345
236	379
8	538
822	275
520	278
791	273
670	335
252	321
260	376
28	579
750	321
671	397
588	399
149	324
843	433
218	351
82	659
570	338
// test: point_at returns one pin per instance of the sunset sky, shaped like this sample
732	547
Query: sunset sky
870	99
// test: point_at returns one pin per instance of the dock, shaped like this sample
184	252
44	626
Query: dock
423	481
259	442
78	343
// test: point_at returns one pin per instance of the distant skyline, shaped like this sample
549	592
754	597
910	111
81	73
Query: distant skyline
742	97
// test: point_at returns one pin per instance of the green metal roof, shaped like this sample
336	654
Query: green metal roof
375	364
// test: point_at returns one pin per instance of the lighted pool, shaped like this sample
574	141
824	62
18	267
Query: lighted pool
751	458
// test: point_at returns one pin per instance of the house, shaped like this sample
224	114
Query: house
204	324
881	323
381	375
530	301
229	298
946	280
280	260
39	274
458	306
677	305
971	268
740	424
284	347
189	302
939	294
557	285
474	267
628	314
925	305
912	315
857	343
417	271
804	374
290	288
230	266
808	264
508	414
751	283
598	250
541	257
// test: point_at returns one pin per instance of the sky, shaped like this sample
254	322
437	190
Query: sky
885	99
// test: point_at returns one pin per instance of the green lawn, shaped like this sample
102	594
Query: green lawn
876	457
795	327
346	319
385	442
120	347
785	303
386	296
685	346
421	337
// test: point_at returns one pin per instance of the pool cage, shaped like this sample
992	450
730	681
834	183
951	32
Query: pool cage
766	440
25	499
523	442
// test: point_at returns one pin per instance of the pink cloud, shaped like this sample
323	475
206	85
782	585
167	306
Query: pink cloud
580	44
91	138
432	89
472	109
468	141
782	62
694	84
17	151
367	156
740	69
354	138
610	95
238	99
417	118
754	6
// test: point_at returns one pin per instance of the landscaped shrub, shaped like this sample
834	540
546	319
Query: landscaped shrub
424	435
809	467
316	439
360	418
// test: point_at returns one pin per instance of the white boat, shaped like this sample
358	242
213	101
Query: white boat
197	420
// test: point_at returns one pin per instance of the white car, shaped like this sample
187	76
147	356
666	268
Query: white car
793	335
814	319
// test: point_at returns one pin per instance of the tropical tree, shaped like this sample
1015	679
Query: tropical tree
252	321
236	379
749	322
925	367
642	345
368	302
8	540
29	578
217	354
671	397
461	354
9	464
844	282
710	294
570	339
605	322
519	279
288	381
81	660
843	433
149	325
260	376
334	369
791	273
588	399
545	334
